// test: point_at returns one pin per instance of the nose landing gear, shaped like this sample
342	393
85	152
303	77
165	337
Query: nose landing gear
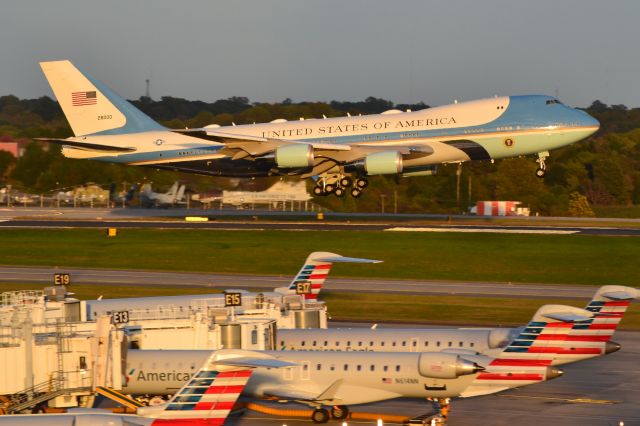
542	166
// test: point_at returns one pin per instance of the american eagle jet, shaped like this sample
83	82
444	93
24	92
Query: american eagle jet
339	153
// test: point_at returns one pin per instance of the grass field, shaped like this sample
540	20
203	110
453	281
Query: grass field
574	259
379	307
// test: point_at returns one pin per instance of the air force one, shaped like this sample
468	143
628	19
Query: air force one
339	153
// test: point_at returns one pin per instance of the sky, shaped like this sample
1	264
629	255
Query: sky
404	51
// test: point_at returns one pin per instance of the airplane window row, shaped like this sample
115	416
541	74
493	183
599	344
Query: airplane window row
414	343
358	367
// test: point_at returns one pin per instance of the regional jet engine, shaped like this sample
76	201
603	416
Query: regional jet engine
445	366
294	156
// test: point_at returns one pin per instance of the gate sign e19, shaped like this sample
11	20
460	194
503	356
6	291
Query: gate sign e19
61	279
232	299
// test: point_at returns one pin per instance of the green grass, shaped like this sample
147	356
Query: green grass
574	259
378	307
448	309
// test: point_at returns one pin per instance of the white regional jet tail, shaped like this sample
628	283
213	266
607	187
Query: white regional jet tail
528	358
90	106
313	273
207	399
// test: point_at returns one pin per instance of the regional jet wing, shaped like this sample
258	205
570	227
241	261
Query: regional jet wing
295	394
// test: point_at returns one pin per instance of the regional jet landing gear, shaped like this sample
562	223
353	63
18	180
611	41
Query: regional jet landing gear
339	184
322	415
438	417
542	166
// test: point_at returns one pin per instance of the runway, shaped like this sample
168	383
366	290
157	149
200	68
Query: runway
269	282
61	218
601	391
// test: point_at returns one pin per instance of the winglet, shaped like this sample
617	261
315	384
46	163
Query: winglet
329	393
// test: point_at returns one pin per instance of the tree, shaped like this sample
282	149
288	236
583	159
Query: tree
6	162
579	206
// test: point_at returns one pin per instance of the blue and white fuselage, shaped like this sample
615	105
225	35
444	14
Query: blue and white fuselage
394	142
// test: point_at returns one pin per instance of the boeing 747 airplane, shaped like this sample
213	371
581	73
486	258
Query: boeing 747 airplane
339	153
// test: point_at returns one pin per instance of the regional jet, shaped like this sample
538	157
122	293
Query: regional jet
587	339
307	283
338	153
340	379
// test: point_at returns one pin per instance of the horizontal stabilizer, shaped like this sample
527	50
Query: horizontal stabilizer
562	313
341	259
621	295
88	146
248	362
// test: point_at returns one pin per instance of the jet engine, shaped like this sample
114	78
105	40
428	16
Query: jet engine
445	366
294	156
378	163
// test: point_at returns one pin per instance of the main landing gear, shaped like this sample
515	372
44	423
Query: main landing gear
442	407
322	415
338	185
542	166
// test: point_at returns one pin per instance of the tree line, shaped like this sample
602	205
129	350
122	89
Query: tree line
604	170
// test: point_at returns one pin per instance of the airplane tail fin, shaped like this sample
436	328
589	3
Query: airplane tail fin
131	193
173	190
180	194
209	396
90	106
608	305
313	274
529	357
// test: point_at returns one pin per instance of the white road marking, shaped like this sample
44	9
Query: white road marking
485	230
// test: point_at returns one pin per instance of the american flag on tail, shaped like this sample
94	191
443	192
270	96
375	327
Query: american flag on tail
84	98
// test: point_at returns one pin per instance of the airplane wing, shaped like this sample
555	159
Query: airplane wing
242	146
328	396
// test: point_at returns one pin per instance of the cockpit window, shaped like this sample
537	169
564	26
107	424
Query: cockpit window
553	101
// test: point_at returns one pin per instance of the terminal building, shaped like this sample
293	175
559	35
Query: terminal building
58	350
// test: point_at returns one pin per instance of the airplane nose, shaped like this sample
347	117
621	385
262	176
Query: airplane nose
588	121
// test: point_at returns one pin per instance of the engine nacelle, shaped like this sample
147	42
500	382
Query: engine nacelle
439	365
294	156
378	163
429	170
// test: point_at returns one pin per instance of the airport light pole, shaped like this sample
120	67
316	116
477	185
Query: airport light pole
382	197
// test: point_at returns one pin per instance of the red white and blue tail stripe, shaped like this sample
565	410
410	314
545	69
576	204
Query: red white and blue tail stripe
209	396
528	358
592	337
313	274
207	399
